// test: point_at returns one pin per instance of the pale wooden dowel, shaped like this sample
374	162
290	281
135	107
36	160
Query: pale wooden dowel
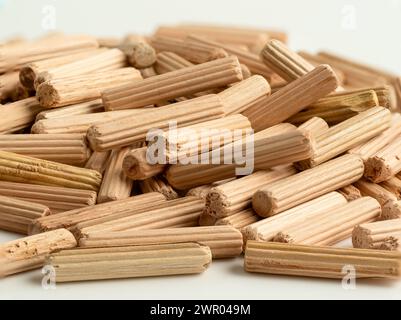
148	72
193	141
338	107
30	253
129	262
16	215
223	241
61	92
65	148
136	166
158	184
302	187
348	134
105	60
13	58
169	61
18	168
98	161
249	59
320	262
267	229
393	185
79	123
202	191
193	52
179	213
9	83
130	130
373	146
392	243
350	192
386	163
140	54
243	95
232	197
239	220
333	226
391	208
286	63
186	81
374	235
58	199
18	115
90	107
315	126
293	98
254	39
99	213
30	72
279	145
115	185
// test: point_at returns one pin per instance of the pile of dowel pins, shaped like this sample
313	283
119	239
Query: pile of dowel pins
81	117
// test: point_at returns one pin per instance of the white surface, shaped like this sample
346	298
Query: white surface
312	25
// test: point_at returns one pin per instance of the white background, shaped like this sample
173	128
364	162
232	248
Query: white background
366	30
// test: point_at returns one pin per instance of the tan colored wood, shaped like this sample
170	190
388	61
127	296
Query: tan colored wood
130	262
98	161
320	262
235	196
18	115
90	107
9	83
115	185
99	213
223	241
140	54
308	212
186	81
394	186
348	134
148	72
302	187
244	94
136	166
350	192
65	148
30	253
61	92
315	126
178	213
332	226
158	184
280	145
374	235
16	215
392	243
130	130
292	98
58	199
170	61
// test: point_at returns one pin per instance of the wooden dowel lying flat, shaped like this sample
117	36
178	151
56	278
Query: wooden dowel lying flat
308	212
348	134
139	53
232	197
179	213
18	115
115	185
168	62
320	262
315	126
374	235
57	93
65	148
130	262
393	185
58	199
16	215
98	161
186	81
333	226
99	213
350	192
30	253
223	241
307	185
18	168
130	130
9	83
292	98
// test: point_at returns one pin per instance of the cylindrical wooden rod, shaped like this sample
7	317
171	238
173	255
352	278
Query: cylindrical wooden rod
307	185
186	81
